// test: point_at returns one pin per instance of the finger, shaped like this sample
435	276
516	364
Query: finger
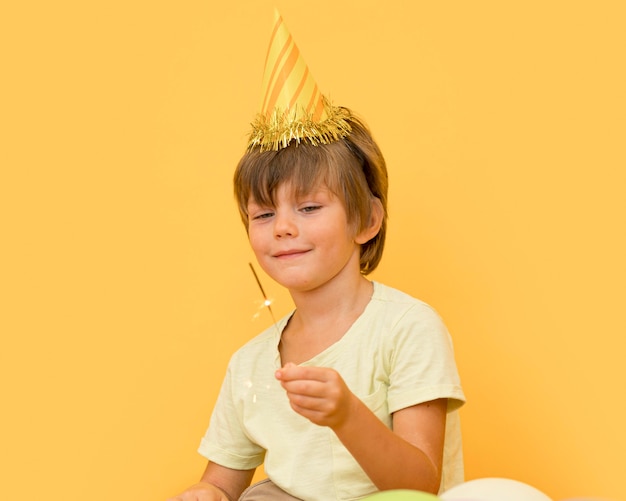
285	370
304	387
292	372
303	401
289	371
317	416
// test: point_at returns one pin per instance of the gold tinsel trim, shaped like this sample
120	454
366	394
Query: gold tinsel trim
281	127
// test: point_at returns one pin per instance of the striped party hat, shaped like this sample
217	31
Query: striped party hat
292	106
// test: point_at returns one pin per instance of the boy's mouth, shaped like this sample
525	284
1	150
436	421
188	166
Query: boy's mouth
290	253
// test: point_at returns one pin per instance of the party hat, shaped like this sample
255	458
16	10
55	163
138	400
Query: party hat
292	106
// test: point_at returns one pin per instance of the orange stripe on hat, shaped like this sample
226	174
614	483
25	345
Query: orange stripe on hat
319	109
282	79
312	104
271	83
298	90
278	22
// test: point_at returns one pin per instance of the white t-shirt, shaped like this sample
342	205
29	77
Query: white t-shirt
398	353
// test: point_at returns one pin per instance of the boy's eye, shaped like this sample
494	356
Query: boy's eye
310	208
262	215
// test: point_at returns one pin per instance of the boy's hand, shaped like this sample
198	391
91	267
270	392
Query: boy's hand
317	393
202	491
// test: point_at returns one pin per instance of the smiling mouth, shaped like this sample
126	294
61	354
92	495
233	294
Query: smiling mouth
290	253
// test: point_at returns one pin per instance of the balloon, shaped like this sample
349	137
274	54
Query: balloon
494	489
401	495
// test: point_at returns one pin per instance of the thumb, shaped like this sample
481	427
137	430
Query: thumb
280	372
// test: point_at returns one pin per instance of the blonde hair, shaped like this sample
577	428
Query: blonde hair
353	168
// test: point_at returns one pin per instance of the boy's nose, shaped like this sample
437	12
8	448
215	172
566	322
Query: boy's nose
284	226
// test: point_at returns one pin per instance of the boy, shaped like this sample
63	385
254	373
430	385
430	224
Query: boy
356	390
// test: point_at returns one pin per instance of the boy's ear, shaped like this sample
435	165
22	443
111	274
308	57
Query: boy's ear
373	227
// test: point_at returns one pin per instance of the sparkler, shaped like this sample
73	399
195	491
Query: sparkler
266	301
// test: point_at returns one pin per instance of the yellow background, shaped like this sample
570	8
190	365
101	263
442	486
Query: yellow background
124	270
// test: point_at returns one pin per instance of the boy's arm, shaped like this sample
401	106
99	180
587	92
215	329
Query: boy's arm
408	457
218	483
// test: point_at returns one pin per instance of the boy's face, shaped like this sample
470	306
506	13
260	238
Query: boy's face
303	242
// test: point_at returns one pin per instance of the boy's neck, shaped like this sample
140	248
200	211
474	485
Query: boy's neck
333	300
322	318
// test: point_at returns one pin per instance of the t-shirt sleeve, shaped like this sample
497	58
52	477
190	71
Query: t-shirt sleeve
423	367
225	441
